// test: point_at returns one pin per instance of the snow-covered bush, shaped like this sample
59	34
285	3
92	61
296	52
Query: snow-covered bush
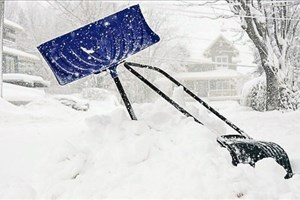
289	99
254	93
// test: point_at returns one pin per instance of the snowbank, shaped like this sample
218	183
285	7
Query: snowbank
57	152
8	110
101	95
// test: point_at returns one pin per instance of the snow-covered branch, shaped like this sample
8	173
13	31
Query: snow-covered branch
272	27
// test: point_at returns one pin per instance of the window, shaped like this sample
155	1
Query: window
9	64
190	85
212	85
202	88
9	34
225	85
26	67
222	88
198	87
221	61
219	85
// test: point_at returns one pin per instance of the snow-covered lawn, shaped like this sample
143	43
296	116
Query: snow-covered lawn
49	150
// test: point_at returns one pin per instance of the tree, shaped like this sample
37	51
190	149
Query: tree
294	58
272	26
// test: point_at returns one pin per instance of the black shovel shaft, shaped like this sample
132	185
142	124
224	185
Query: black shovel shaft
160	93
240	131
124	98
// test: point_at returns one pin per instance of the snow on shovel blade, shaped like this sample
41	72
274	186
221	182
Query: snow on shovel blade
98	46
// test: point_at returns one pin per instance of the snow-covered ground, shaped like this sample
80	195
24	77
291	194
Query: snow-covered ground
49	150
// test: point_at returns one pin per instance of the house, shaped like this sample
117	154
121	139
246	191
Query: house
14	59
20	86
216	76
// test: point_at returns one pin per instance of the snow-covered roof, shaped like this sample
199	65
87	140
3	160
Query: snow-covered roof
13	25
20	54
201	33
220	37
209	75
246	70
17	77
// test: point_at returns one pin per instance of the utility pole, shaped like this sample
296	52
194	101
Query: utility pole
1	45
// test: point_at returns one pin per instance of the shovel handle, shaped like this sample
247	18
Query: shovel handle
160	93
122	92
194	96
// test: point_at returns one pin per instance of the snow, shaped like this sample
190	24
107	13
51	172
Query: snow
21	54
248	86
73	102
13	25
246	70
209	75
88	51
100	94
257	15
20	94
17	77
220	37
49	150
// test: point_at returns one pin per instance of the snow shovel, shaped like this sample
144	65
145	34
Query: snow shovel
105	44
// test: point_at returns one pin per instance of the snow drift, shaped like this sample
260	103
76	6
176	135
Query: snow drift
53	151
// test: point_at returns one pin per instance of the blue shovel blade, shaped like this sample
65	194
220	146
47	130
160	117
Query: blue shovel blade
98	46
